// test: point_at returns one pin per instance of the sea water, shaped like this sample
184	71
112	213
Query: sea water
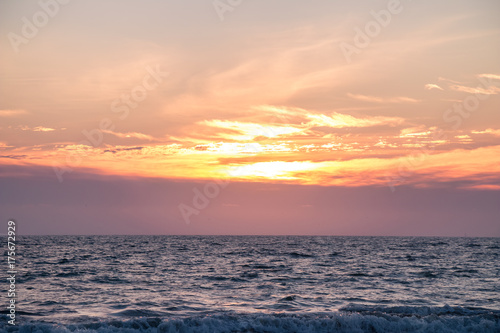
255	284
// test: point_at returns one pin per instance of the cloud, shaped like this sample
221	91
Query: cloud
309	119
12	113
14	157
339	120
248	131
492	90
415	131
490	76
449	80
114	151
480	166
4	145
488	131
464	138
36	129
299	122
430	86
43	129
375	99
136	135
488	87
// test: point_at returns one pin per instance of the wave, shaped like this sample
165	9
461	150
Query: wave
422	311
353	318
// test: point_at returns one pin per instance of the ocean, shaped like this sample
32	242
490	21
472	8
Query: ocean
254	284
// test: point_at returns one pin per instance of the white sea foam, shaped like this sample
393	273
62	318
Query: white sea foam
425	319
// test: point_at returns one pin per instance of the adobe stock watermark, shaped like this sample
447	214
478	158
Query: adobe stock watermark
31	26
363	38
211	190
122	107
223	6
454	116
11	271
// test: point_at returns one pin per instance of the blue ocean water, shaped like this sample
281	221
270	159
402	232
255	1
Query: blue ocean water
256	284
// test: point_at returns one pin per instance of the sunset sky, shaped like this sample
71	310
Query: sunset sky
324	117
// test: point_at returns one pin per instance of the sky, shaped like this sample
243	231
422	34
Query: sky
250	117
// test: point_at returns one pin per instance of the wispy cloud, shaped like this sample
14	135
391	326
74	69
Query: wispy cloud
491	90
338	120
449	80
491	131
375	99
43	129
135	135
490	76
14	157
430	86
12	113
488	87
293	122
37	129
4	145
